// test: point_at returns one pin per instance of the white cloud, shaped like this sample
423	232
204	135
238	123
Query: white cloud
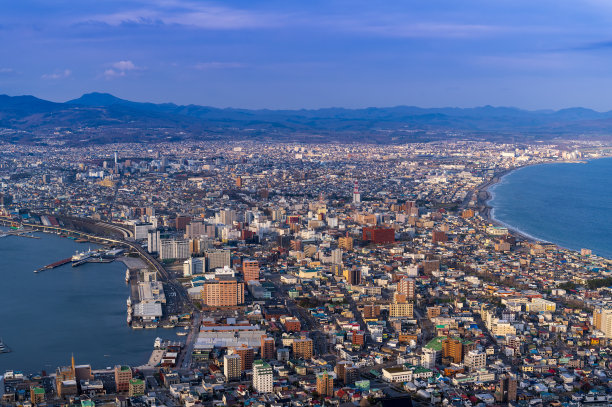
6	71
119	69
193	14
124	66
58	74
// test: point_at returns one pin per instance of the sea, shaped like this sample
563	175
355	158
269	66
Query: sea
48	316
568	204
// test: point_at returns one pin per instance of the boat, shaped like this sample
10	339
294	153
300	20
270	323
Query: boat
158	343
181	333
3	347
4	235
129	319
150	326
137	326
168	326
129	301
127	276
82	255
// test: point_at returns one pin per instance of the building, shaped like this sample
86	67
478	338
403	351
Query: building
37	395
302	348
123	375
250	270
356	194
325	384
602	321
174	248
263	380
218	259
267	347
406	286
401	309
475	360
438	236
292	324
352	276
137	387
194	265
247	355
506	389
232	367
378	235
346	243
224	291
452	348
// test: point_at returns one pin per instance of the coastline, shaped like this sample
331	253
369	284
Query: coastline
486	211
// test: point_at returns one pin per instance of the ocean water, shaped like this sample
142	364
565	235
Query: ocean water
569	204
47	316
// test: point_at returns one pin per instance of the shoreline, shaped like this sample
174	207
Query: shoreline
486	210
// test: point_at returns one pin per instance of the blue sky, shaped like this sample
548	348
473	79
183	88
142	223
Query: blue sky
306	54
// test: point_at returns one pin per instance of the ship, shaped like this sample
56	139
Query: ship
83	255
181	333
127	276
3	347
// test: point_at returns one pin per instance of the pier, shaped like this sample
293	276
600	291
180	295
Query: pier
54	265
20	233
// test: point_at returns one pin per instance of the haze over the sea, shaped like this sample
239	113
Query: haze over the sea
566	203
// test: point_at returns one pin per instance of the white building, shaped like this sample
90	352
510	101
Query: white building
475	360
194	265
263	381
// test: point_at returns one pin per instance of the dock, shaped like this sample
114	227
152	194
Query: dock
91	260
20	233
54	265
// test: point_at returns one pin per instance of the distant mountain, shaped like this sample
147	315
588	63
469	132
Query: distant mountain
102	118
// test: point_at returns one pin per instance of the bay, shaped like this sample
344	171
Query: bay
569	204
47	316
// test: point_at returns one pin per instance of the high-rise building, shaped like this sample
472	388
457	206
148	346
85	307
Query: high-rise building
452	348
247	355
181	222
194	265
37	395
325	384
123	375
232	367
506	389
153	240
353	275
174	248
438	236
336	256
263	379
302	348
218	259
602	321
356	194
406	287
267	347
223	292
346	243
401	309
475	360
250	270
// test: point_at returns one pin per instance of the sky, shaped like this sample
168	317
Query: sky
544	54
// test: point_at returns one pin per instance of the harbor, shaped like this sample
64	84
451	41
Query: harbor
99	335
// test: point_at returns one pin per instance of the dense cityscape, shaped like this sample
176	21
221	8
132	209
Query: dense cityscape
317	274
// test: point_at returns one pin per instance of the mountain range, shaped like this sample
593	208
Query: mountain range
104	118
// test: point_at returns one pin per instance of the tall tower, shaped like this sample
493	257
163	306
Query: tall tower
356	194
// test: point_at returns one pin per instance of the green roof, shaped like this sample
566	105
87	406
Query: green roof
136	381
436	343
87	403
38	390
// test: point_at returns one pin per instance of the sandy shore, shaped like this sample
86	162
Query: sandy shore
482	204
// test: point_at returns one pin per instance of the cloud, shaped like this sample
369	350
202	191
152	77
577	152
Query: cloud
119	69
218	65
58	75
124	66
194	14
7	71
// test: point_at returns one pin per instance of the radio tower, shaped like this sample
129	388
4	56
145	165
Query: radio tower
356	194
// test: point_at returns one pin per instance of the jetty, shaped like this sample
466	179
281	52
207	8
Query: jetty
54	265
